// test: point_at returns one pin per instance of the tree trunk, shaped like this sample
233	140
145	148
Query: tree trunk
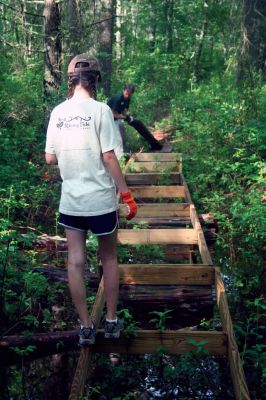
44	344
169	12
118	39
74	27
198	51
253	53
106	43
52	44
3	25
24	29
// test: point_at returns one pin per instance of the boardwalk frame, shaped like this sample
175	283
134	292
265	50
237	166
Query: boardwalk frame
156	184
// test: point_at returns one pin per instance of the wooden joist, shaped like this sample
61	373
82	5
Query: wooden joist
85	357
166	210
166	274
159	157
203	248
153	178
154	166
157	236
173	342
237	372
157	192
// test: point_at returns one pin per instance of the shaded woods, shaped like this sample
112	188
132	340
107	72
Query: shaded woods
199	68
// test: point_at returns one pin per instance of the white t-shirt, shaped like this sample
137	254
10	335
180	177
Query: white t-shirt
79	131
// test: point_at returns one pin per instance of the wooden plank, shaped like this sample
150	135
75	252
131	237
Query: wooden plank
160	222
164	210
166	274
157	236
194	218
153	166
174	342
187	193
237	373
85	357
158	191
157	157
175	253
153	178
203	248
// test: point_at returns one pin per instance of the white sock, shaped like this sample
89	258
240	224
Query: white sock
82	326
111	320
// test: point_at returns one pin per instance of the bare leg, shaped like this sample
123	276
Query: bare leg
107	250
76	241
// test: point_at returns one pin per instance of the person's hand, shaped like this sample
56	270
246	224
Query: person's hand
131	205
129	119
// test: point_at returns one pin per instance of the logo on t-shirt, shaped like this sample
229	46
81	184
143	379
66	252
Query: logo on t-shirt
73	122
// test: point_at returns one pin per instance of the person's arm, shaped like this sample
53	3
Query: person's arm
51	159
113	167
117	115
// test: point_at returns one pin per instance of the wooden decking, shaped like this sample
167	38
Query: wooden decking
169	218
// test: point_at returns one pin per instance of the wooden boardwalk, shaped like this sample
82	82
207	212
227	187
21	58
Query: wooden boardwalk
165	206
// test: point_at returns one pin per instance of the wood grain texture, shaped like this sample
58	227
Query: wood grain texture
85	357
174	342
153	178
157	157
166	274
164	192
157	236
237	372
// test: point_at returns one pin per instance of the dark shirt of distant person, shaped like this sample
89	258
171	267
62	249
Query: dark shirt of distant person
119	102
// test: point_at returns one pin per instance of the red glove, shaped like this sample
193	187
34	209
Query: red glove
131	205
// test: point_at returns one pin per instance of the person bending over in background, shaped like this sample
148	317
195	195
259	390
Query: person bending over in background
81	138
119	103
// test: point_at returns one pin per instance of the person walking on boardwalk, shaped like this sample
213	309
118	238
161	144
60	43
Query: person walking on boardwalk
119	103
81	138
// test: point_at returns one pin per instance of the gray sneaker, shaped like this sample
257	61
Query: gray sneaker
87	335
112	329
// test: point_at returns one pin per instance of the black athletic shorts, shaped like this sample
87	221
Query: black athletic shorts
98	224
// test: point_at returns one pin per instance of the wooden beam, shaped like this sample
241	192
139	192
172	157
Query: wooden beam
154	223
194	218
157	236
166	274
157	157
153	166
163	210
153	178
237	372
187	193
175	253
203	248
85	357
174	342
163	192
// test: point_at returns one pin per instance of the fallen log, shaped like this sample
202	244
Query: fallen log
60	275
14	348
189	304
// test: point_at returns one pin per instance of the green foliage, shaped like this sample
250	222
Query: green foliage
160	319
219	127
24	352
130	326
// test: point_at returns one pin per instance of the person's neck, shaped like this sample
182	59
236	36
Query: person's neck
81	93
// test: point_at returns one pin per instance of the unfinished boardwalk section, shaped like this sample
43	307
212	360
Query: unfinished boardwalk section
167	217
